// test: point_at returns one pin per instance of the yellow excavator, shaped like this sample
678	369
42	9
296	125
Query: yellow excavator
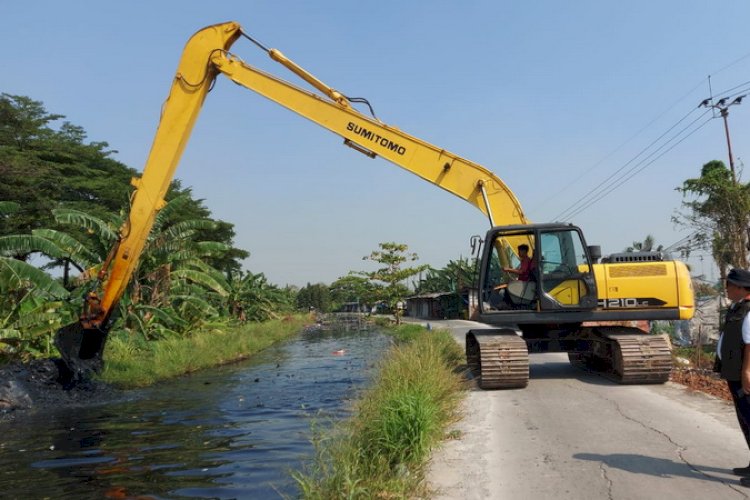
567	301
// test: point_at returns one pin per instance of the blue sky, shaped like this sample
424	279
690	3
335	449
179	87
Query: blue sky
554	97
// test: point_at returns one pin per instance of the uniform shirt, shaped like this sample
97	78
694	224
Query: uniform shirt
745	334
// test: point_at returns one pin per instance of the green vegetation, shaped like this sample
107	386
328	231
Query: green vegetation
718	209
382	451
317	296
703	289
131	361
63	203
353	289
457	274
647	245
698	357
389	278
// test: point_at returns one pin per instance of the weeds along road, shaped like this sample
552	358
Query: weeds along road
575	435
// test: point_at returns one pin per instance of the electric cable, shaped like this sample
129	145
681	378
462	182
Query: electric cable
622	180
609	182
738	91
575	180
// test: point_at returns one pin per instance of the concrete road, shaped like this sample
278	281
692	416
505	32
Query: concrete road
575	435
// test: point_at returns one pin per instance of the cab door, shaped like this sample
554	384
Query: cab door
561	277
566	278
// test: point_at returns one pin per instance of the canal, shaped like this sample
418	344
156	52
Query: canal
232	432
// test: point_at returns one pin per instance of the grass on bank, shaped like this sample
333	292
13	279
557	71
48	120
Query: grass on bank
131	361
382	450
698	357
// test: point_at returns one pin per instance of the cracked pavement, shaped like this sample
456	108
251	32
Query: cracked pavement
575	435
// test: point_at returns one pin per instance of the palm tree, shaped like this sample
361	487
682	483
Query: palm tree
647	245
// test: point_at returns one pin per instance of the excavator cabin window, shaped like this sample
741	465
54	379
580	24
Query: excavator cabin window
559	274
563	262
510	282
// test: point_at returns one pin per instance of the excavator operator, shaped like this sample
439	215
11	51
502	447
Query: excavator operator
526	268
519	293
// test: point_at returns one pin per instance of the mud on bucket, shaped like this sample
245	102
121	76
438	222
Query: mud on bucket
81	350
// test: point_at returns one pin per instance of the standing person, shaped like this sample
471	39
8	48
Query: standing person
733	354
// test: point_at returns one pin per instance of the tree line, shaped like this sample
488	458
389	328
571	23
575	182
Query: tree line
62	203
63	200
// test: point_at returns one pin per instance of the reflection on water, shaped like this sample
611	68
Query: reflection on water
232	432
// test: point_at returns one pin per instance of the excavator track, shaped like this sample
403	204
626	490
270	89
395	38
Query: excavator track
499	359
624	354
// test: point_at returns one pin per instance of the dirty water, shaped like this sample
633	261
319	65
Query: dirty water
232	432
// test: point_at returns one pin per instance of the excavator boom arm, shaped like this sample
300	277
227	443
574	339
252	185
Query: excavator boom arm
465	179
205	56
178	116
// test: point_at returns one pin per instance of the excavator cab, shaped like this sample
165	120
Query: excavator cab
559	275
554	307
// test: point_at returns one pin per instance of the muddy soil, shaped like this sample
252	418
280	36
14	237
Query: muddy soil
36	386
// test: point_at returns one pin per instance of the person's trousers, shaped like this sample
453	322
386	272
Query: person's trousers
742	407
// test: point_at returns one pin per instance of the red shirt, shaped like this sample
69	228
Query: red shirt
527	265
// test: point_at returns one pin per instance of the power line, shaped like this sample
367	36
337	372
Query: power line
612	182
605	187
681	242
692	244
596	188
741	58
654	120
622	180
727	94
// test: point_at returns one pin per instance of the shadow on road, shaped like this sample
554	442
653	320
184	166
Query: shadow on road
658	467
564	370
553	370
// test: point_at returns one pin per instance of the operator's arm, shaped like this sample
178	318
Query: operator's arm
746	369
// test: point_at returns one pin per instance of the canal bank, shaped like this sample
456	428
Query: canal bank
236	431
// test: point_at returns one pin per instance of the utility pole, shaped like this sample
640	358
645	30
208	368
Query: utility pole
723	109
740	247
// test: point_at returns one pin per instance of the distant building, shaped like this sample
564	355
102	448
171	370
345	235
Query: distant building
353	307
442	305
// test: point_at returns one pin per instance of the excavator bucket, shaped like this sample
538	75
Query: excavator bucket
81	350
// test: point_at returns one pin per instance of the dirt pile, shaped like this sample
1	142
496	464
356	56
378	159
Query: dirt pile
37	385
701	380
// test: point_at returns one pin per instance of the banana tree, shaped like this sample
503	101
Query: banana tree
33	306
